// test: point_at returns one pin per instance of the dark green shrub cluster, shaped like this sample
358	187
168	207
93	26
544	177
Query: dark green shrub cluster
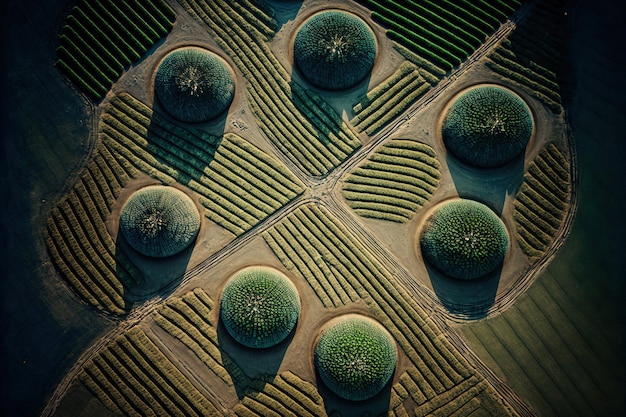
487	126
464	239
159	221
194	85
355	357
259	307
334	50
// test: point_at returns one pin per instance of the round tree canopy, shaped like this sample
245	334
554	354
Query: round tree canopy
487	126
259	307
464	239
355	357
159	221
334	50
194	85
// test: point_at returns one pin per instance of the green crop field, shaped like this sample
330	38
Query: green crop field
395	182
445	32
297	121
533	58
101	38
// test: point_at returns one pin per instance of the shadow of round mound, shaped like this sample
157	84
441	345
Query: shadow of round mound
355	357
464	239
487	126
194	85
334	50
159	221
259	307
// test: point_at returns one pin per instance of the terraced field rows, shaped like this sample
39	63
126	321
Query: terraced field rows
79	242
100	38
389	99
442	32
395	182
297	122
532	58
542	201
237	184
133	377
312	231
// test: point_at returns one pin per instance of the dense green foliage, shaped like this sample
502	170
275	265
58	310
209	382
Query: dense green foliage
542	201
159	221
487	126
355	357
194	85
444	32
334	50
464	239
389	99
131	376
306	129
395	182
100	38
259	307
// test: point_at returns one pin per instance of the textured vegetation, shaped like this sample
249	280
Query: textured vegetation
355	357
441	32
487	126
237	183
464	239
194	85
132	376
312	244
542	201
299	123
259	307
389	99
334	50
159	221
100	38
395	182
534	59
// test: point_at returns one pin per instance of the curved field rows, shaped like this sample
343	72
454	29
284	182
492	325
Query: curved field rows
440	378
298	123
100	38
542	201
395	182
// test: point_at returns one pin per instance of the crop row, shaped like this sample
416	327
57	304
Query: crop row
439	364
532	58
306	130
389	99
542	201
133	377
190	320
79	243
100	38
395	182
286	395
237	183
442	32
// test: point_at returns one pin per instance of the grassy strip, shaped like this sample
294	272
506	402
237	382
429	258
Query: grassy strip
395	182
542	201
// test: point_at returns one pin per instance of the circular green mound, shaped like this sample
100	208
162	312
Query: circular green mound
334	50
194	85
487	126
259	307
159	221
355	357
464	239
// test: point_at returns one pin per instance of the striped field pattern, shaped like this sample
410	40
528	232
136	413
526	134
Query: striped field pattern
542	201
395	182
101	37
